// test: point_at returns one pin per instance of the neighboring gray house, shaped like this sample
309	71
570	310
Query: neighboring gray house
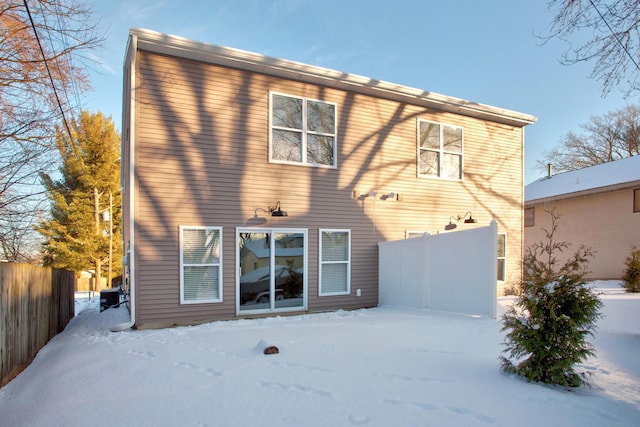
599	208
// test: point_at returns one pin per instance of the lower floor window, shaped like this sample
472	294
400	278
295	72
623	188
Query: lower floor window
200	264
335	262
502	259
410	234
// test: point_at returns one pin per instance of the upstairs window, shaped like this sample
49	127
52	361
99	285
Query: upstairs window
439	150
636	200
303	131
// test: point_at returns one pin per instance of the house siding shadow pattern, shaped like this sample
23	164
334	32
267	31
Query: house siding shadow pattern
199	131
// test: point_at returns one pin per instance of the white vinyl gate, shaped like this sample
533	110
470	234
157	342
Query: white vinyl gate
455	271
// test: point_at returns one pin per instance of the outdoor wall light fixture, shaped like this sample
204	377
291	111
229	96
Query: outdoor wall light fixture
392	195
365	195
276	211
470	220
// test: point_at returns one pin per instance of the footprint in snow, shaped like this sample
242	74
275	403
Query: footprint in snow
359	419
207	371
296	387
145	354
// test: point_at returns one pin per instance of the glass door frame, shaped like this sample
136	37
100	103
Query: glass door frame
272	262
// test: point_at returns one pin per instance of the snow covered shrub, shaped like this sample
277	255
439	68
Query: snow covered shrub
631	276
549	322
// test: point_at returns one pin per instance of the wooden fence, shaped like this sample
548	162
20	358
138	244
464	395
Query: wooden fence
36	303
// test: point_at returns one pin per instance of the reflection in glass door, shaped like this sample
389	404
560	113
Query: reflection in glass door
289	270
272	267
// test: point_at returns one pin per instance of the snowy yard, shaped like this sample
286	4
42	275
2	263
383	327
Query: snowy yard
379	367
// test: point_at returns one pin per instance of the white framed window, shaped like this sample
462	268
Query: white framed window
409	234
335	262
200	264
440	150
302	131
502	257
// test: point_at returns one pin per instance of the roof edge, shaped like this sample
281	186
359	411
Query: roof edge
582	193
154	41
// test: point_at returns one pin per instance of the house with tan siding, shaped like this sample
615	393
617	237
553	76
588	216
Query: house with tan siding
257	186
599	207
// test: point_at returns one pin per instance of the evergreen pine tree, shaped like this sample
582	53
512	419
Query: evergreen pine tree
85	225
549	323
631	276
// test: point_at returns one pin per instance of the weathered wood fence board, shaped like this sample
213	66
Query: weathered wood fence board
36	303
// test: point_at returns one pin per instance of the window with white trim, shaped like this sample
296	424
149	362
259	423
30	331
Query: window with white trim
335	262
409	234
200	264
440	150
502	257
303	131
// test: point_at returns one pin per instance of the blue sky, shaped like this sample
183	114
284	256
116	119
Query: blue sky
482	51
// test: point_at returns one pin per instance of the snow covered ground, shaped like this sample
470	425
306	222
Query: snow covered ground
386	366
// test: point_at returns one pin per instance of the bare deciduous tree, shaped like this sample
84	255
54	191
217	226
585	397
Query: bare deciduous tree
613	136
604	31
43	44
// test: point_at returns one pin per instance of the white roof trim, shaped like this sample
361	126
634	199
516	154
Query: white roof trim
583	193
154	41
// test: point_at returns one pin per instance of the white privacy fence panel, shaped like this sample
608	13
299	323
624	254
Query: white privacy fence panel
454	271
404	277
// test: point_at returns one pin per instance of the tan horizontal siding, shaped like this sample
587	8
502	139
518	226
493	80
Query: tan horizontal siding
202	159
604	222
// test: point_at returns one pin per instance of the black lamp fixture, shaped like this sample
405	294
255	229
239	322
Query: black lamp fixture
458	218
470	220
276	211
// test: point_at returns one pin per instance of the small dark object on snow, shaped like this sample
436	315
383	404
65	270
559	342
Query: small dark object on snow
271	350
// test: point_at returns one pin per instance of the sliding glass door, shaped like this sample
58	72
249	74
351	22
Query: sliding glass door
271	270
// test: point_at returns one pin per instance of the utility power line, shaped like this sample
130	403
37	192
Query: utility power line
615	35
44	58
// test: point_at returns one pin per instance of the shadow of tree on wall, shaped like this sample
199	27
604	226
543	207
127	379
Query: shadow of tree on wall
203	160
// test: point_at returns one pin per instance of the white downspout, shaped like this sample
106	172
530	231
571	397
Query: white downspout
129	110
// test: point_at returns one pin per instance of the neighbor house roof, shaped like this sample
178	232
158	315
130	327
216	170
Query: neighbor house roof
153	41
616	175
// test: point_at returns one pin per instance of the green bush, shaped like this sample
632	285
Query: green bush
548	325
631	275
